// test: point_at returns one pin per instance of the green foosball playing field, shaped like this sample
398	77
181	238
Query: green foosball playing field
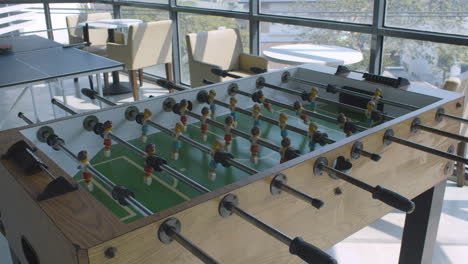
124	167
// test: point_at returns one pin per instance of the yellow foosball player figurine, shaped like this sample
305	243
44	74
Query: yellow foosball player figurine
178	130
283	118
144	127
370	108
83	166
150	150
256	112
215	147
211	98
377	96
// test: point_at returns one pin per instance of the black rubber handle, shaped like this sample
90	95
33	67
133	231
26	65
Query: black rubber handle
163	83
219	72
309	253
393	199
89	93
375	157
257	70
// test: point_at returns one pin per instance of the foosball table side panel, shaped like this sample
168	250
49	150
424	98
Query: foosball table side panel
29	230
404	170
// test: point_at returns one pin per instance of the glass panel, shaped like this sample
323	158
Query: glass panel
423	61
15	19
357	11
190	23
59	12
149	1
313	45
447	16
231	5
147	15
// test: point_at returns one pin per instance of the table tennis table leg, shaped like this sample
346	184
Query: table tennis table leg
99	88
51	93
13	106
33	99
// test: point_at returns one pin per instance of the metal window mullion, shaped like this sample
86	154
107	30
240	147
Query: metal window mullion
176	68
254	27
48	20
116	10
377	40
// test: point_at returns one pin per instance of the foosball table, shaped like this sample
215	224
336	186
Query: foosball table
272	168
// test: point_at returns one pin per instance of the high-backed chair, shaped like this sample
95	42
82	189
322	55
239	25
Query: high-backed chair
148	44
220	49
97	37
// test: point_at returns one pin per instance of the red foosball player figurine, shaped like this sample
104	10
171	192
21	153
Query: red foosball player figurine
211	98
228	125
282	120
285	145
259	97
232	107
254	135
178	130
217	146
300	112
83	167
205	112
107	126
183	116
144	127
256	111
150	150
348	127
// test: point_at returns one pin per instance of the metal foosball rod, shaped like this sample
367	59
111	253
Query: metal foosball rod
389	138
46	134
63	107
378	192
334	89
95	95
25	118
234	89
132	115
416	125
260	83
441	113
297	246
170	230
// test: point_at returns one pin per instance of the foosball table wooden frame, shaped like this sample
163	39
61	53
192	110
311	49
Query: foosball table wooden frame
75	228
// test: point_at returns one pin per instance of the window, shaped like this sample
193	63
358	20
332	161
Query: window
231	5
273	34
357	11
190	23
424	61
19	19
436	15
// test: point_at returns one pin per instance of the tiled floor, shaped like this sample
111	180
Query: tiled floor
377	243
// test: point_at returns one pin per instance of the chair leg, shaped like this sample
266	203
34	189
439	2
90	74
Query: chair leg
106	83
168	71
91	85
134	84
140	75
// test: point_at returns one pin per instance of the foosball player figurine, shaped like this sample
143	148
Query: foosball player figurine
299	111
285	145
311	97
349	127
377	96
211	98
150	150
183	117
259	97
282	120
144	127
205	112
370	108
315	137
228	125
215	147
178	130
254	135
83	167
107	129
232	107
256	111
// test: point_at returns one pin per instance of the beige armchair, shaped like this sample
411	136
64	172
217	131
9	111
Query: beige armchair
97	37
148	44
220	49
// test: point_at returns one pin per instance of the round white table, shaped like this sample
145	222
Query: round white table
111	25
297	54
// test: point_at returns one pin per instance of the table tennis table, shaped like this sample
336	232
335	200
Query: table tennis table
35	60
